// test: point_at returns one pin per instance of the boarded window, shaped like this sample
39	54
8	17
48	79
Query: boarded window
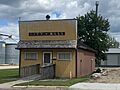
64	55
31	55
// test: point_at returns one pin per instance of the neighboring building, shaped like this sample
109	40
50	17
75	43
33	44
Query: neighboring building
11	54
2	52
8	53
113	58
50	48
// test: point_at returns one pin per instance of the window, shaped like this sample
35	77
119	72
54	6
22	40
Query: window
64	55
31	55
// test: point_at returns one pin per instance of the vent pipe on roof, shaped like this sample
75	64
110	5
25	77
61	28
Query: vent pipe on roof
47	17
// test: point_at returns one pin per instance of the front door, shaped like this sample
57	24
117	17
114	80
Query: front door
47	56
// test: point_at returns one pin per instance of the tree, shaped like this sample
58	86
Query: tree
92	30
112	42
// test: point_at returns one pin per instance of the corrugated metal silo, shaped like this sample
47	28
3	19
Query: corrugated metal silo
12	55
2	52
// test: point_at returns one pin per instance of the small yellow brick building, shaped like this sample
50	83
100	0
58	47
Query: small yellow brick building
50	48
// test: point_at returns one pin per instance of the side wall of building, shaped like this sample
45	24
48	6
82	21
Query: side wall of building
85	62
8	53
113	59
11	54
2	52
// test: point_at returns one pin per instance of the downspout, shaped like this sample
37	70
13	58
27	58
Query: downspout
76	46
76	63
20	63
19	49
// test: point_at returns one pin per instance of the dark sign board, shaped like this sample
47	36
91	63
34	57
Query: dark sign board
46	33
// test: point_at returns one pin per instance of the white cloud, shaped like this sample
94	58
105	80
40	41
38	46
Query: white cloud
116	35
38	9
10	29
28	9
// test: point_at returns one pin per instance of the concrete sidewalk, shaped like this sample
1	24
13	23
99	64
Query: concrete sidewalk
9	67
10	84
95	86
21	80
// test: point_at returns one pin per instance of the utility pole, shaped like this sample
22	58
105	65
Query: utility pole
96	3
96	12
19	18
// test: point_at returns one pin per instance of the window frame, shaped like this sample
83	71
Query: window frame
64	53
30	52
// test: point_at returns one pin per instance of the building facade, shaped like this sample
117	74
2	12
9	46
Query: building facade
113	58
11	54
51	46
2	52
8	53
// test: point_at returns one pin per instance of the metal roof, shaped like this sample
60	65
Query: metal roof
47	44
27	44
113	50
81	45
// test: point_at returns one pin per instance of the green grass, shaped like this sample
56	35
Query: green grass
7	75
55	82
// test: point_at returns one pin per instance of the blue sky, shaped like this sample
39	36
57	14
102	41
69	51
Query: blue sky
56	14
11	10
4	22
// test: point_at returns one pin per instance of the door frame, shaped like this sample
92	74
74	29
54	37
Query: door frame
50	57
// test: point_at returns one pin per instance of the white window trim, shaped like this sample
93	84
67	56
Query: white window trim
30	52
64	59
50	57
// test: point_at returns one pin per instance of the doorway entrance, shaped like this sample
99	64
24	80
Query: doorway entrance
47	57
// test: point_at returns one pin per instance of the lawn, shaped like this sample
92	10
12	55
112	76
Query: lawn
7	75
55	82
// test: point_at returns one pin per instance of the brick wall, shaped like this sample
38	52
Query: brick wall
85	62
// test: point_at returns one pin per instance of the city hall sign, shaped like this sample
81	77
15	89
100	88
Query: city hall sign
46	33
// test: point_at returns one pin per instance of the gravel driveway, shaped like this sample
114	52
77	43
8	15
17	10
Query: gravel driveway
113	76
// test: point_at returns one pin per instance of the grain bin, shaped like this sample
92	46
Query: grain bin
2	52
12	55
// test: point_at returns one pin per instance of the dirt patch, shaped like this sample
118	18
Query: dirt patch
113	76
